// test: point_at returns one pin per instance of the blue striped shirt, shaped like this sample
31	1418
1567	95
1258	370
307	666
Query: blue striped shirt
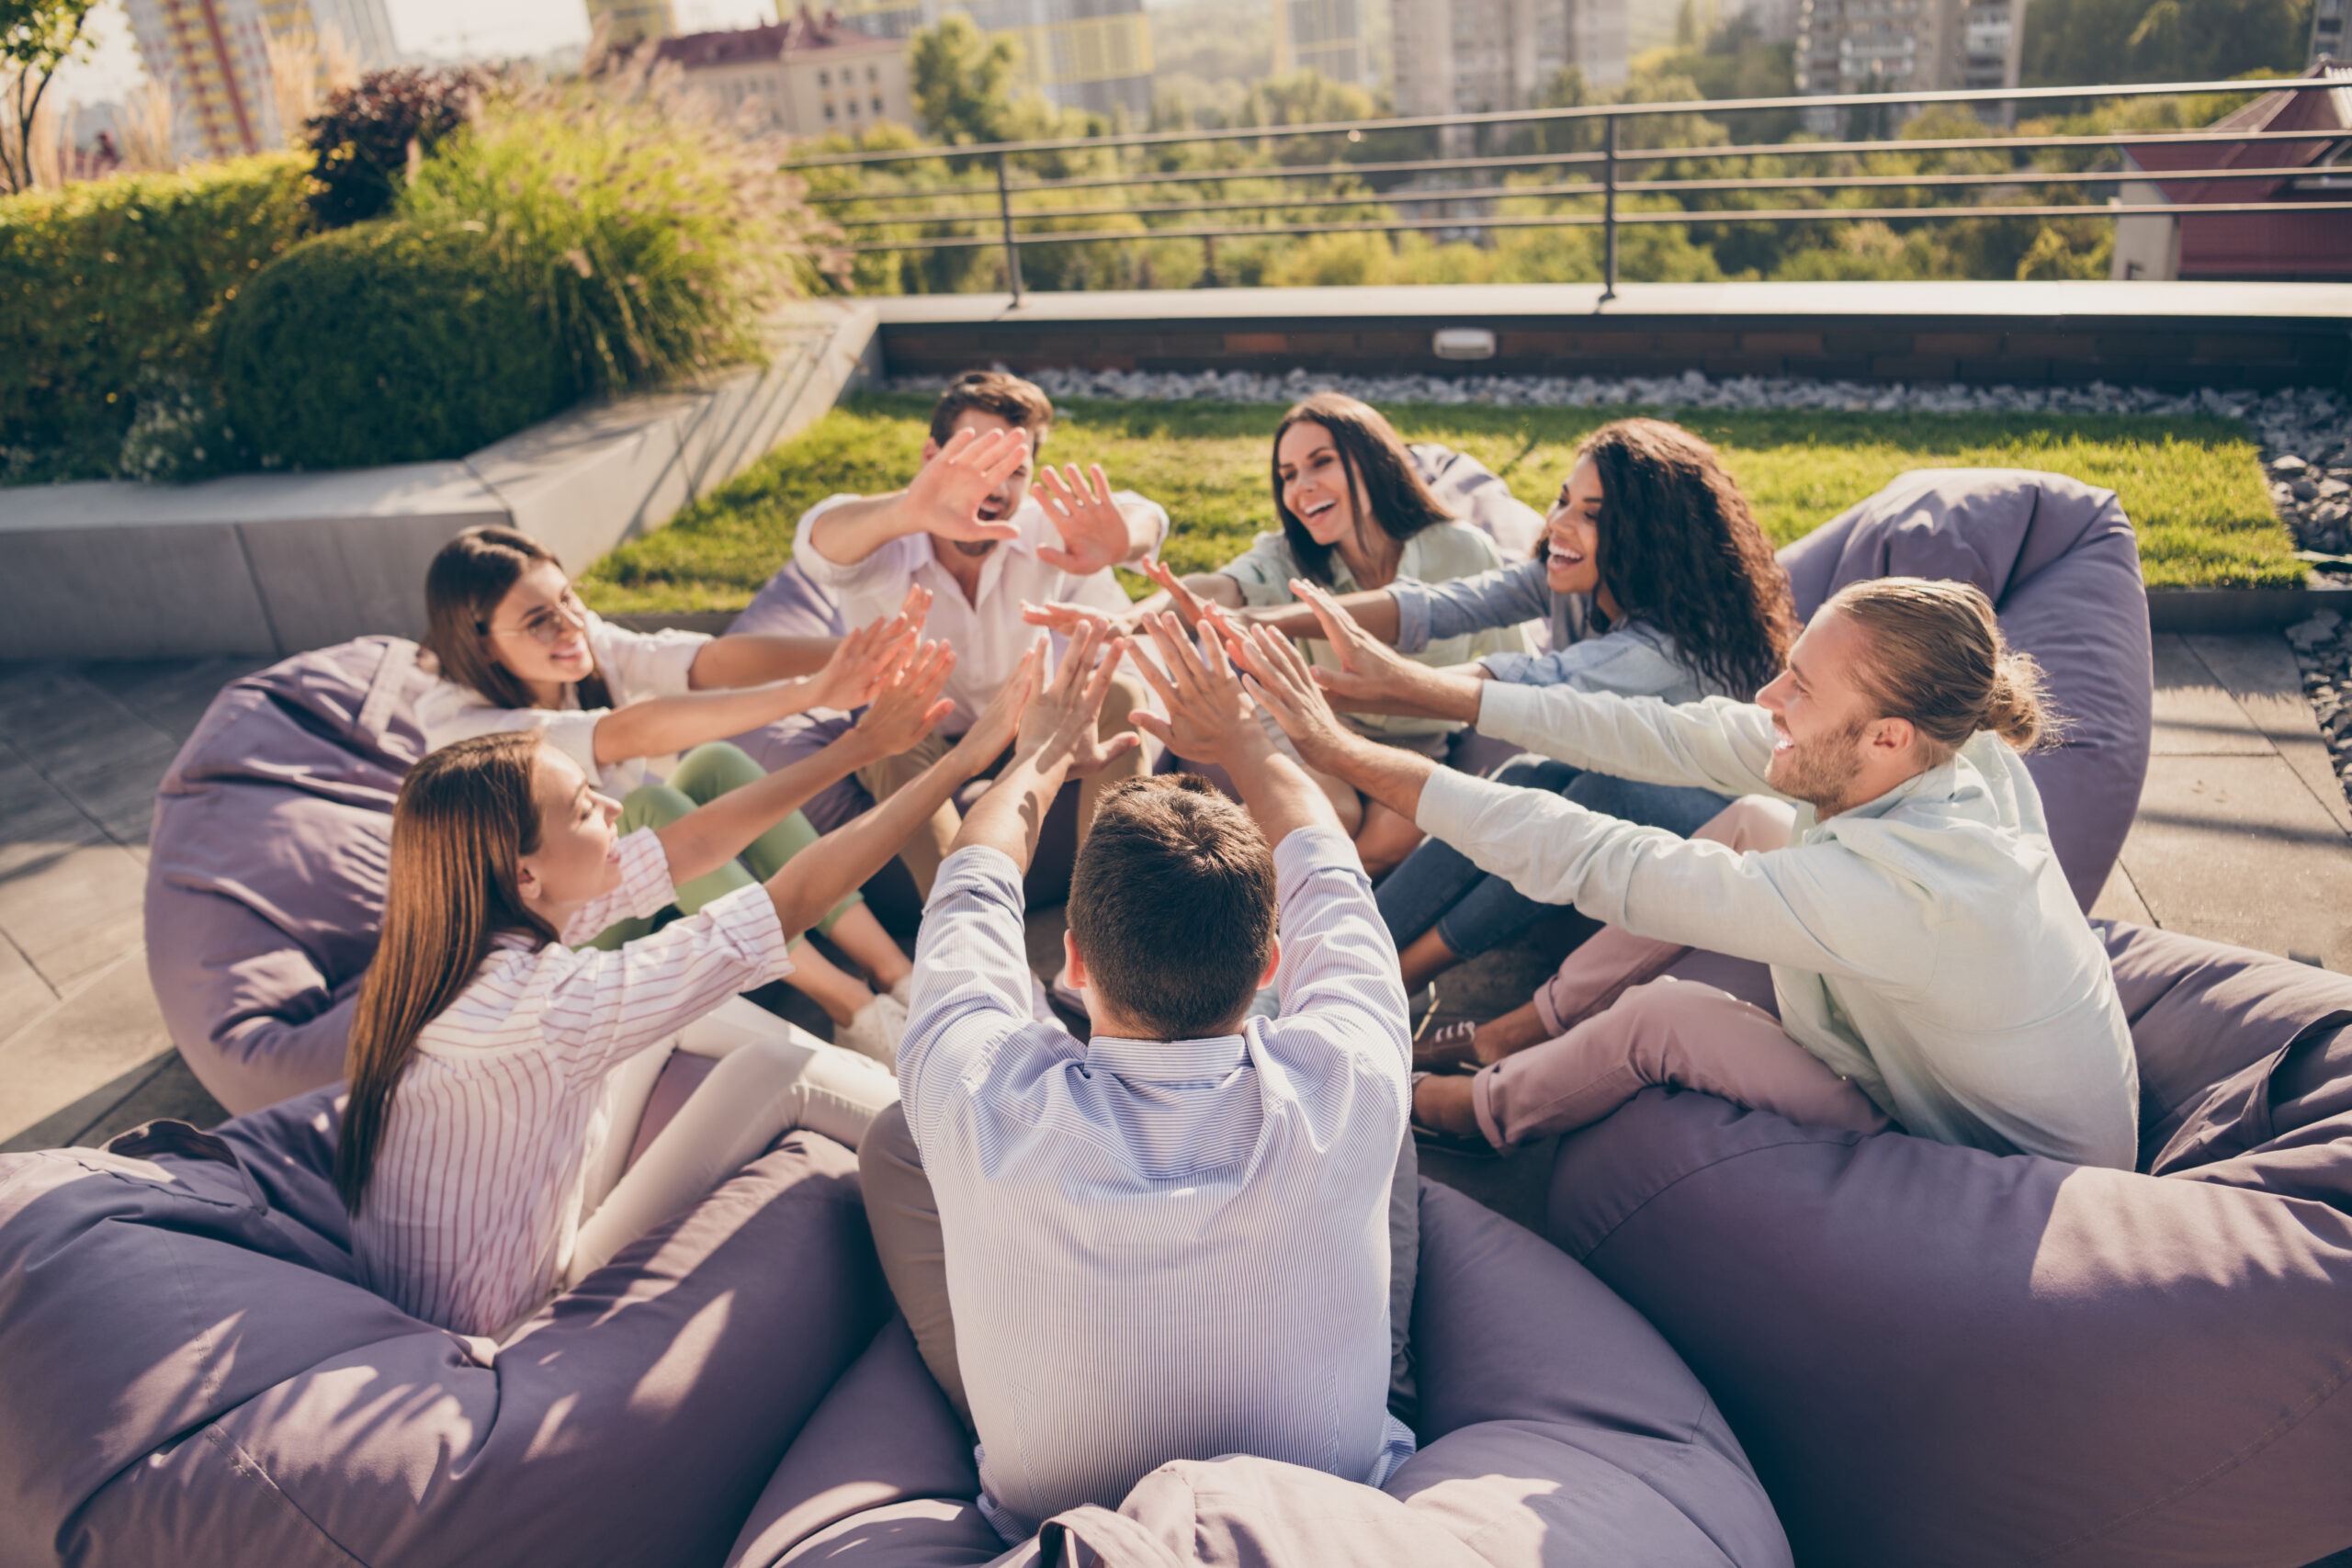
1163	1249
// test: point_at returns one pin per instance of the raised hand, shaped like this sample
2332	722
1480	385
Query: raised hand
949	490
863	658
1000	720
1283	683
1062	728
1187	605
1093	530
905	704
1369	670
1067	618
1210	718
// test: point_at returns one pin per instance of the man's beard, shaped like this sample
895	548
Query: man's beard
1821	773
974	547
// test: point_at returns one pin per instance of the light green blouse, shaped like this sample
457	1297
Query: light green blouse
1439	553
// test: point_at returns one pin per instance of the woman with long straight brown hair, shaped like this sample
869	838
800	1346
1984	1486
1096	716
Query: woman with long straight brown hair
481	1148
516	650
1355	514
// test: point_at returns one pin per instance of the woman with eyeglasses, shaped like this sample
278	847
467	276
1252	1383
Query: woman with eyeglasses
646	715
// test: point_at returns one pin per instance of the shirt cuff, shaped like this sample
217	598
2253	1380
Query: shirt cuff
981	868
746	919
1412	614
1512	669
1129	502
1512	713
1311	849
1449	804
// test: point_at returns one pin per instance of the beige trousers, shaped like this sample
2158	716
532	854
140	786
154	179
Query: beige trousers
904	1217
771	1078
932	841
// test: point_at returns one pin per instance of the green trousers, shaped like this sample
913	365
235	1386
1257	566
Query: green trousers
706	773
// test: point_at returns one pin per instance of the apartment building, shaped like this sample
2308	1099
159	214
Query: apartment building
801	76
1906	46
1462	56
213	57
2328	40
1333	38
626	22
1088	54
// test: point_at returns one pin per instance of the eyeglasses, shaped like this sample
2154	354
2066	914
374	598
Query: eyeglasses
550	624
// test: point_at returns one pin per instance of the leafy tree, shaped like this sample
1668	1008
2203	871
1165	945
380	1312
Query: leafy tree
961	81
363	141
36	38
2082	42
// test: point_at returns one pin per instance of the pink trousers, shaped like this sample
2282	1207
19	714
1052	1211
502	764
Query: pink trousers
1619	1029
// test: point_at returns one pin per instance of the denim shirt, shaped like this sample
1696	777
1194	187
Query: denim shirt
1632	659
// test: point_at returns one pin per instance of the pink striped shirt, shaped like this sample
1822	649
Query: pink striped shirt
471	1212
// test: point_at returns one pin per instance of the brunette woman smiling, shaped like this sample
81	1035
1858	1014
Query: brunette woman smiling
516	650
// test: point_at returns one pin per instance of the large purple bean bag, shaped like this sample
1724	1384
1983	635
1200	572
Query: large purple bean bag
1938	1356
1556	1426
266	865
192	1376
2059	561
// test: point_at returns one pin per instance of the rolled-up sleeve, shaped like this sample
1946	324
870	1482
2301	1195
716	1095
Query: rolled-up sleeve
636	665
1262	572
1490	600
891	560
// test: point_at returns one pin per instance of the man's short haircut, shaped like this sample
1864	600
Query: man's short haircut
1022	404
1172	905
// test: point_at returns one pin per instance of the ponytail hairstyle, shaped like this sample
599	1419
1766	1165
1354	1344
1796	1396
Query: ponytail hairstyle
1938	660
1680	551
469	576
1383	484
466	816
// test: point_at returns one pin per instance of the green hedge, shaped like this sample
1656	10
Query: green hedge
387	343
113	285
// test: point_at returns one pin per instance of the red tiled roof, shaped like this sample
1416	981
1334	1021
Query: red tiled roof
769	42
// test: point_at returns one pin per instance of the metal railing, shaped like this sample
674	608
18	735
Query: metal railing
1000	218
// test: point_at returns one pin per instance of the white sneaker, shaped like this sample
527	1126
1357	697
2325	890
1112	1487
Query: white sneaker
875	1031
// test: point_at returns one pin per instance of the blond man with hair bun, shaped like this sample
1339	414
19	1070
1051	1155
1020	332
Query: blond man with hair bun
1930	963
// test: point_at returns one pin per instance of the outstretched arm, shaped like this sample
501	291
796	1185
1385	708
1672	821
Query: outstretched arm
821	876
754	660
1057	741
1212	719
904	711
944	499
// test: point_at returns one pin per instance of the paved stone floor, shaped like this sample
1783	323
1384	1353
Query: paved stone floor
2243	835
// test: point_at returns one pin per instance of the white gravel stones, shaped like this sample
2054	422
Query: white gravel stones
2322	647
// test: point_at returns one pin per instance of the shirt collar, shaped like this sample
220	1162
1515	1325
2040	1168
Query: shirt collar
1167	1061
1939	783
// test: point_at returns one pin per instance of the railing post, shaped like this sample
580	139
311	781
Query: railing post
1609	207
1012	246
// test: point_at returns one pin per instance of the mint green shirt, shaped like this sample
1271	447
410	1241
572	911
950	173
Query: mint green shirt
1925	945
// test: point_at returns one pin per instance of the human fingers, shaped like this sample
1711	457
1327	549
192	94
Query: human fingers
1151	724
1055	490
1060	616
1101	489
1152	674
1187	665
916	604
1097	684
998	463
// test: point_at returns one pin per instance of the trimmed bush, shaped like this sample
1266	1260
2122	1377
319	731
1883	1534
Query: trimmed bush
112	285
387	343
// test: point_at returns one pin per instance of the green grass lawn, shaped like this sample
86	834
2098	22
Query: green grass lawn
2193	486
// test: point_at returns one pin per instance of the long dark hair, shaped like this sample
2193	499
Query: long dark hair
1381	481
466	817
463	587
1680	551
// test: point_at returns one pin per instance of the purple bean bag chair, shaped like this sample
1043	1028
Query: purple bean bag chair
1556	1426
2059	561
266	865
1938	1356
192	1376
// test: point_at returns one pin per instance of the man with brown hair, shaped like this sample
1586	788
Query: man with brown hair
968	528
1191	1235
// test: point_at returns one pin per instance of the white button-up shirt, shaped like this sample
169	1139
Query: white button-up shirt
635	665
986	632
476	1193
1925	945
1163	1249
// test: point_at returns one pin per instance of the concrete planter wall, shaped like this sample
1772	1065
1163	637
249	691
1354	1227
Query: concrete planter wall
275	563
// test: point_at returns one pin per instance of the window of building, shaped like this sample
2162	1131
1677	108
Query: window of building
824	78
877	103
829	111
873	74
853	108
